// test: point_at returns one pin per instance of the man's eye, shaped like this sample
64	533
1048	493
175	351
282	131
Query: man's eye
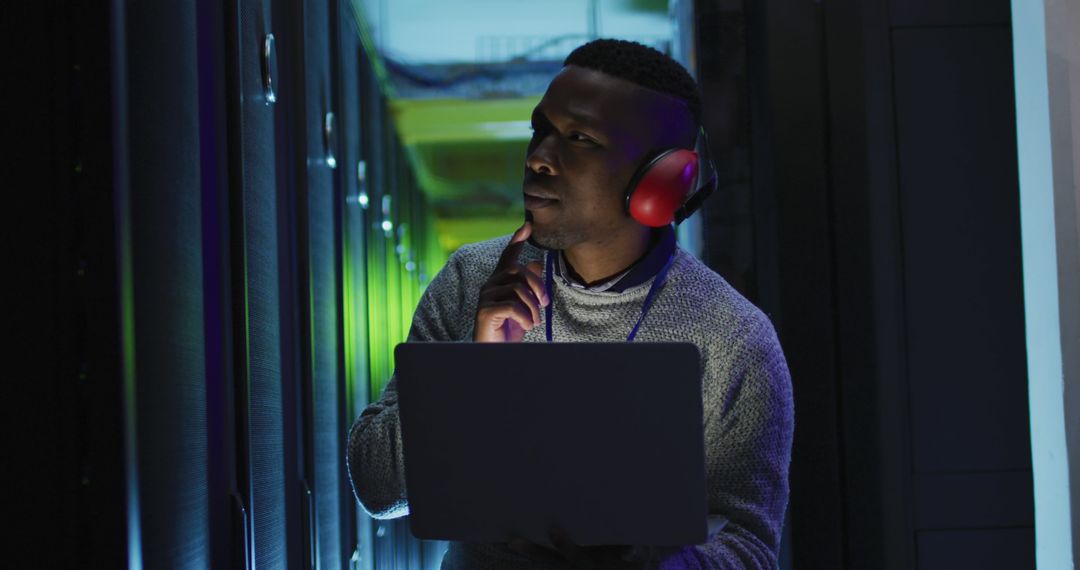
578	137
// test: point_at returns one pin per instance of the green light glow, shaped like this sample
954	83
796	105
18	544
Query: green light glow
456	232
355	291
127	324
376	311
426	121
392	290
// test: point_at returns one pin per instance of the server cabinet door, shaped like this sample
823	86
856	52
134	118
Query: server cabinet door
352	179
167	348
255	85
325	437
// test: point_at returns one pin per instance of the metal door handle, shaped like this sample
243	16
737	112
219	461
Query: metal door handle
361	184
269	69
329	140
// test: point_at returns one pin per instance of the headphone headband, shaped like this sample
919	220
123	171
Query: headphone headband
705	190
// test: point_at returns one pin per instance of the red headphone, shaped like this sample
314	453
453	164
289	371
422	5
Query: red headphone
657	193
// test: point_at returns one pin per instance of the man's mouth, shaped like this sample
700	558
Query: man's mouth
535	201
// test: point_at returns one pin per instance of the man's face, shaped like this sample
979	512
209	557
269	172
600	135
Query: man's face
591	132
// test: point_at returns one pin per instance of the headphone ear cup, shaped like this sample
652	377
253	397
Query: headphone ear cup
660	188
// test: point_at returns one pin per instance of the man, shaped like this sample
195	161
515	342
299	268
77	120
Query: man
612	106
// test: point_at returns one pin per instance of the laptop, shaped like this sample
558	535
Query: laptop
603	441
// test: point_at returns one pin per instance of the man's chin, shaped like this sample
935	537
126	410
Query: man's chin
542	244
544	238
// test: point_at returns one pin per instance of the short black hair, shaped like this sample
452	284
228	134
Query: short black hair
640	64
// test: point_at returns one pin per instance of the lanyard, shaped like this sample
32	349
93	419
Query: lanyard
657	283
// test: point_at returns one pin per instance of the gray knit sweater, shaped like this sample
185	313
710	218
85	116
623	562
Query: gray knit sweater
746	391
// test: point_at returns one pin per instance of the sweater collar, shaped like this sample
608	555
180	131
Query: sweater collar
660	249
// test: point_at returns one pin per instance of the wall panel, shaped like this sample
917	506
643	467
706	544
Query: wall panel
959	206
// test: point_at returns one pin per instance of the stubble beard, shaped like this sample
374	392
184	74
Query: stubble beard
556	238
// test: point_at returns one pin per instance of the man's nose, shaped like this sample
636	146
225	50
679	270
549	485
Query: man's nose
541	159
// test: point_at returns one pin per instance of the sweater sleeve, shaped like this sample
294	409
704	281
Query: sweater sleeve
374	459
749	433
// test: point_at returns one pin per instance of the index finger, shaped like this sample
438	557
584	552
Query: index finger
513	249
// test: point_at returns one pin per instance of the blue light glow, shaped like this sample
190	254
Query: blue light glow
1049	451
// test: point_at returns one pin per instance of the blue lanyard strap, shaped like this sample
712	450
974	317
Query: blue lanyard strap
657	284
547	287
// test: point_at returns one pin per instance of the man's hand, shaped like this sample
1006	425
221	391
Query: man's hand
511	299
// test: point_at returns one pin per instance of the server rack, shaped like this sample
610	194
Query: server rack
347	53
237	283
317	256
168	348
263	337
